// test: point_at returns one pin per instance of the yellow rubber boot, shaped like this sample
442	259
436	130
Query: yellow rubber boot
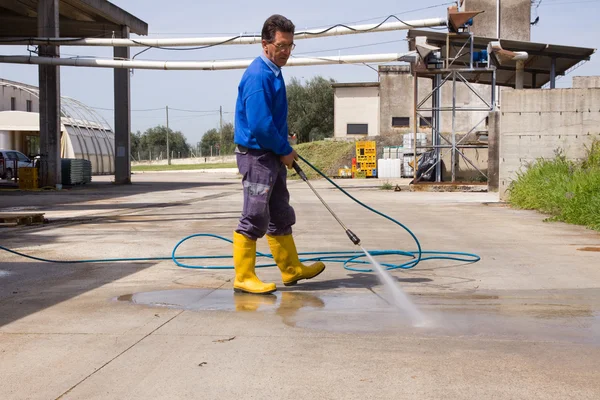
244	260
285	255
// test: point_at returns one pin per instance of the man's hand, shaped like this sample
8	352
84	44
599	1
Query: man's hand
289	159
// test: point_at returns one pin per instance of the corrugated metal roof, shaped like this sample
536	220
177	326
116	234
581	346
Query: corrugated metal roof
537	67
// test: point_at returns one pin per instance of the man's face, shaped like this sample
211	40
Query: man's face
280	49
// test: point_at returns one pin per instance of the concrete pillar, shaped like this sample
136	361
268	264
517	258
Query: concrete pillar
122	116
49	82
494	151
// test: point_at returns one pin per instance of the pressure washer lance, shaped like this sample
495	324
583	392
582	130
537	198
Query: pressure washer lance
350	234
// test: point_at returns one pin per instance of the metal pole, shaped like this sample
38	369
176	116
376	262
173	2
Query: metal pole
472	49
415	123
436	126
553	73
168	154
453	126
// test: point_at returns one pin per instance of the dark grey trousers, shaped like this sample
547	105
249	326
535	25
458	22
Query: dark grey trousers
266	198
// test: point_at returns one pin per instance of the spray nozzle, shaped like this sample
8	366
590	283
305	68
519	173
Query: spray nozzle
353	237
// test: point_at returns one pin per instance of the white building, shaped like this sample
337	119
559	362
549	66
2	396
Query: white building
84	133
356	109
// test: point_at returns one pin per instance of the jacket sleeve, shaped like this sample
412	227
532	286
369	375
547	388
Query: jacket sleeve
260	122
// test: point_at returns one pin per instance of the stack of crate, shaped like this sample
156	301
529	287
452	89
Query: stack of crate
366	159
28	178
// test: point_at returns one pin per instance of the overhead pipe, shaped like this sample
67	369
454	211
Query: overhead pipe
199	65
506	55
213	41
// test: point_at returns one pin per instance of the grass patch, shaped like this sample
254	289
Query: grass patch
568	191
328	156
386	186
172	167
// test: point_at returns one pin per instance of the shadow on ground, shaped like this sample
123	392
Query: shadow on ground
29	287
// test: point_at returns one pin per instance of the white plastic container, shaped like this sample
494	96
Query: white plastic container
389	168
408	142
396	168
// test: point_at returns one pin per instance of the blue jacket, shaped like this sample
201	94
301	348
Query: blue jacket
261	109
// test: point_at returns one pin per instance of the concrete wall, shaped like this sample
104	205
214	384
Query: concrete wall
515	18
397	97
21	98
536	123
397	100
356	105
586	82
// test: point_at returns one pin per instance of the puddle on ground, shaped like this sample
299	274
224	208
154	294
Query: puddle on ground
4	273
540	317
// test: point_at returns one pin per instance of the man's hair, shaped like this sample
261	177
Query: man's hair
276	23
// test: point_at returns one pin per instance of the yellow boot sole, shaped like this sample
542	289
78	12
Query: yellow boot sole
242	290
295	281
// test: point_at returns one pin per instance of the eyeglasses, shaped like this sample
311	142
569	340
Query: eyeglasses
282	47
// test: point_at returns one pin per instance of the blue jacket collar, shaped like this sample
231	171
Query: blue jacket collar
276	70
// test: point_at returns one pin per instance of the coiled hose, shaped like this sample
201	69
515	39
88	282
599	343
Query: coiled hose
351	260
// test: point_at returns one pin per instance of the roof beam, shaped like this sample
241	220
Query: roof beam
18	8
27	27
112	13
69	11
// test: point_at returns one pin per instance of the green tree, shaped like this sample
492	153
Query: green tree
136	139
209	142
310	112
221	141
154	140
227	144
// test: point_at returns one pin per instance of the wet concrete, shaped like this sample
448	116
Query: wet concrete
571	317
522	323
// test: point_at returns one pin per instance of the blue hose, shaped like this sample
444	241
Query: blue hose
349	259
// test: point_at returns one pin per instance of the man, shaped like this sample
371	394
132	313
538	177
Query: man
263	152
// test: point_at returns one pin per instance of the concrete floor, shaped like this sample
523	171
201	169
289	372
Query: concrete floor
524	322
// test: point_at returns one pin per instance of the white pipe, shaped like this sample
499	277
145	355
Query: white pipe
198	65
519	74
211	41
498	19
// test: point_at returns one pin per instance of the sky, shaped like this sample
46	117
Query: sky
201	93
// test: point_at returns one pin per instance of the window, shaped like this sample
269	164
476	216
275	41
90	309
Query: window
22	157
28	102
401	122
425	121
357	129
13	103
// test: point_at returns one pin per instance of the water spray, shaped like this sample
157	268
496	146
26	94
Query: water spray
396	296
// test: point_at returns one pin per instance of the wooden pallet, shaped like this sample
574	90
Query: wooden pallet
14	219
